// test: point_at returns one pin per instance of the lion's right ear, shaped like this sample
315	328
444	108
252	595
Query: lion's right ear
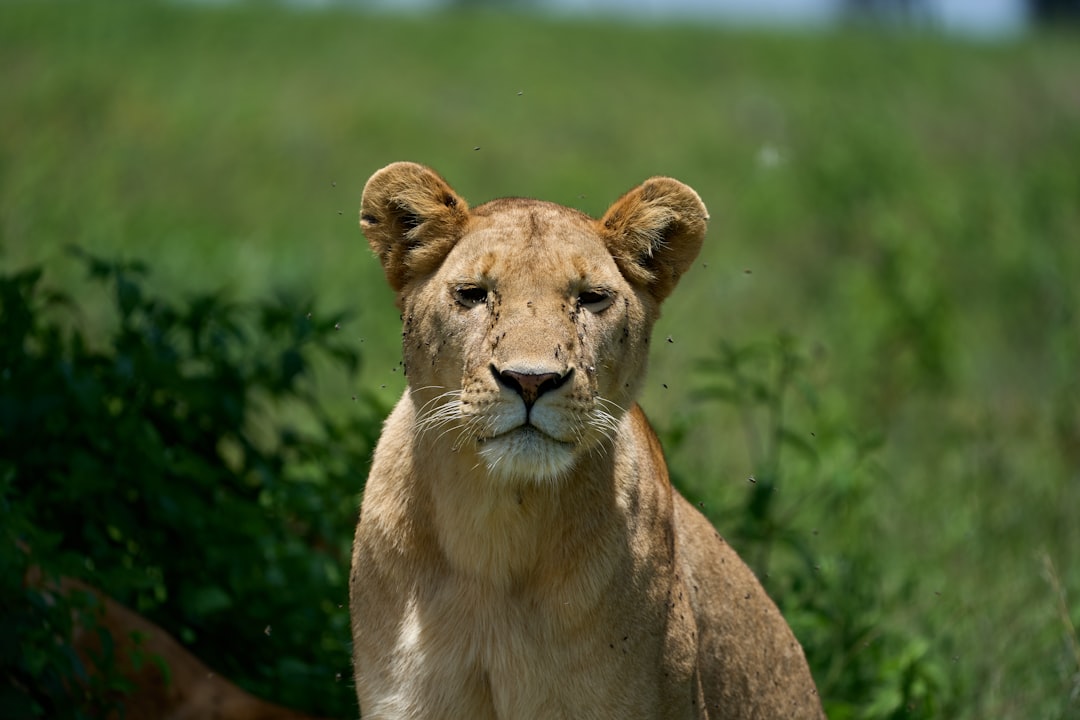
411	218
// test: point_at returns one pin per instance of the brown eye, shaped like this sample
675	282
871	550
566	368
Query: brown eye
469	296
595	300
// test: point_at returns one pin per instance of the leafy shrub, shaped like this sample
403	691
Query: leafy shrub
184	467
867	665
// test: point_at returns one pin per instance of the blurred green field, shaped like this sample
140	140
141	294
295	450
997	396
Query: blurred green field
906	208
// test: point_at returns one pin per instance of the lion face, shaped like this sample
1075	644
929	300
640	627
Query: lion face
526	324
518	343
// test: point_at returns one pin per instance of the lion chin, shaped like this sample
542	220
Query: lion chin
521	553
526	454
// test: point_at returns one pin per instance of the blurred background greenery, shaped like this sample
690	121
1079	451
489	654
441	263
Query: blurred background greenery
869	380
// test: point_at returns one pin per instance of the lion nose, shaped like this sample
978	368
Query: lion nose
530	386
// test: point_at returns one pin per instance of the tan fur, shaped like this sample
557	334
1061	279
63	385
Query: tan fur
189	691
520	551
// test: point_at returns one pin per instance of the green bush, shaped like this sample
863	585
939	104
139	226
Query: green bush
183	466
867	665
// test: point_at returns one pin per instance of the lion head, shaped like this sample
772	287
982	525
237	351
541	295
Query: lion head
526	323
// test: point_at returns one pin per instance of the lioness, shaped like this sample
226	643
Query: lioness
520	551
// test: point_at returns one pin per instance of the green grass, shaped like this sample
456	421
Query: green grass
906	207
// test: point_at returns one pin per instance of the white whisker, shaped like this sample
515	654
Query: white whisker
611	403
456	444
413	391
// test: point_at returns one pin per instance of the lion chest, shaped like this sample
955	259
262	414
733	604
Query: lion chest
490	654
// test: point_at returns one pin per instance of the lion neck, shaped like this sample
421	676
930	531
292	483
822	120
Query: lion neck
510	533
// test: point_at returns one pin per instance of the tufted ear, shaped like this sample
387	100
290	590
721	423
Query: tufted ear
411	218
654	232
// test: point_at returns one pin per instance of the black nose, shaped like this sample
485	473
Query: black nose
530	386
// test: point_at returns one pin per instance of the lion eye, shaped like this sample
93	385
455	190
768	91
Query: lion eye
469	296
595	300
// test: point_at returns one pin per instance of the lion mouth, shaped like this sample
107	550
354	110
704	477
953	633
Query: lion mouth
526	432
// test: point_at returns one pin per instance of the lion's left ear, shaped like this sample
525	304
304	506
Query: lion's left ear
654	232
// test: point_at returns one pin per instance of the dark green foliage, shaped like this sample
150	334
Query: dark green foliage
866	665
184	467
